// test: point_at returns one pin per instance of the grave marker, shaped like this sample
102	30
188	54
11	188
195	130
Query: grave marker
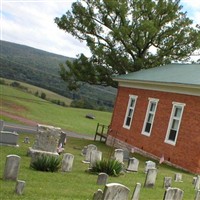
173	194
150	178
67	162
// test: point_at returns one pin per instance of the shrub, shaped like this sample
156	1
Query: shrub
110	167
46	163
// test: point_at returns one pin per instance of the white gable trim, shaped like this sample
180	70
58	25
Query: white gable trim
169	87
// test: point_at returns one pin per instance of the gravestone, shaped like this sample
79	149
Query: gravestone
178	177
150	178
197	195
149	165
98	195
46	142
119	155
1	125
90	148
115	191
167	182
26	140
173	194
197	183
8	138
11	169
136	193
126	155
94	157
102	179
19	188
84	150
194	180
67	162
62	140
133	164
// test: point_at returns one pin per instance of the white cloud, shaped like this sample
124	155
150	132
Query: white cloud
31	22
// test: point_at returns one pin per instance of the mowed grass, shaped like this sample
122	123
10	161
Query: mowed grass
41	111
33	89
79	184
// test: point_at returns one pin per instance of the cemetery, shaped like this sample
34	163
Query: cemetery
142	178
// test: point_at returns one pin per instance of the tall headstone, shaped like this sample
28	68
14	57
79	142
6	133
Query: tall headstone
150	178
149	165
67	162
173	194
133	164
102	179
98	195
136	193
19	188
90	148
197	183
197	195
115	191
167	182
1	125
119	155
178	177
94	157
11	167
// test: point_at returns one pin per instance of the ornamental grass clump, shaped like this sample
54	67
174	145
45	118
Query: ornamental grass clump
111	167
46	163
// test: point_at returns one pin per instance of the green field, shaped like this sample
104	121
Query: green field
79	184
41	111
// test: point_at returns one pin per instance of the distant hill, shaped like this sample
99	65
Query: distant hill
41	68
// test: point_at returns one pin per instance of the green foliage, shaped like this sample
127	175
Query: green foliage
46	163
43	95
121	36
41	69
111	167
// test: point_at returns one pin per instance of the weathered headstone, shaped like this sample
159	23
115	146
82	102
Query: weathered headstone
173	194
119	155
98	195
150	178
8	138
178	177
197	183
126	154
46	142
197	195
133	164
194	180
26	140
1	125
62	140
167	182
19	188
115	191
90	148
94	157
136	193
11	167
67	162
149	165
102	179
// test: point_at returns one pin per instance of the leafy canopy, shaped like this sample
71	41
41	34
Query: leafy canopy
126	36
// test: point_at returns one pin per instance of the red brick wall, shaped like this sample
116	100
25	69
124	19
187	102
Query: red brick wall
186	152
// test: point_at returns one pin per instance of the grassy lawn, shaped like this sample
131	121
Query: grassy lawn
33	108
78	184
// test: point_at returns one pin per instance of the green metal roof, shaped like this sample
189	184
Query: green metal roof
188	74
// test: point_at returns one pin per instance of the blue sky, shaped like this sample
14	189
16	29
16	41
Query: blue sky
32	23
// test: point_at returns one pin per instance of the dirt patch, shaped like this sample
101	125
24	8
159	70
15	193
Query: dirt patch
13	106
19	118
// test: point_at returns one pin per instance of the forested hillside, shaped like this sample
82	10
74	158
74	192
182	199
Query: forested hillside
40	68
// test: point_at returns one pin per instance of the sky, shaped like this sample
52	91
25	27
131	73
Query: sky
31	23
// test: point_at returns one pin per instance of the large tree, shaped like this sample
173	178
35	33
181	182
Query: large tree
126	36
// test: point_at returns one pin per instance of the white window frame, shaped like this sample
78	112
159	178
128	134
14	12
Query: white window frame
148	113
129	107
172	119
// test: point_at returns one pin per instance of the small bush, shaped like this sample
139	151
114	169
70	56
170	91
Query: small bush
110	167
46	163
